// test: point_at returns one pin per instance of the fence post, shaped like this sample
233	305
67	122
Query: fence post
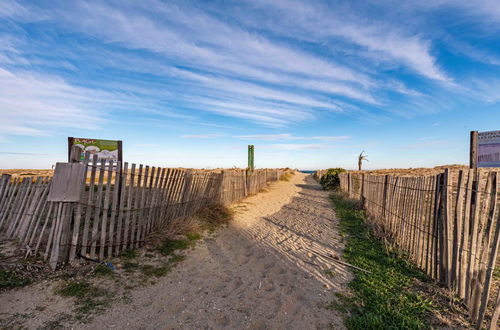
220	193
186	194
384	196
362	190
473	149
4	184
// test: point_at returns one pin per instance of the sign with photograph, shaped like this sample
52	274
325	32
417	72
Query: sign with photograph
104	149
488	149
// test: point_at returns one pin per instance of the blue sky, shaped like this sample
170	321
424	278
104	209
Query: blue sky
191	83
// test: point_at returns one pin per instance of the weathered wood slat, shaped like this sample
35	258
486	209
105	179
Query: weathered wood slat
97	210
88	208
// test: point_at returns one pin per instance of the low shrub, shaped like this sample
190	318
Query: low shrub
330	180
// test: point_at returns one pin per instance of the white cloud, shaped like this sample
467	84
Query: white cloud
318	23
267	137
37	104
331	138
201	136
286	136
298	146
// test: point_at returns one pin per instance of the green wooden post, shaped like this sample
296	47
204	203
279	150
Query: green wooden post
250	157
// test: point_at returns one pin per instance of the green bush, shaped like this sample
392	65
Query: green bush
331	180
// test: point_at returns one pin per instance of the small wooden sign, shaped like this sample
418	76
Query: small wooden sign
67	182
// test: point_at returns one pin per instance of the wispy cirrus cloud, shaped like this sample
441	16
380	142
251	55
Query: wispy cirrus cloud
287	136
318	22
201	136
268	137
292	147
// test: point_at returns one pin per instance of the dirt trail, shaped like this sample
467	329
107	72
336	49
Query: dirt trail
269	269
265	270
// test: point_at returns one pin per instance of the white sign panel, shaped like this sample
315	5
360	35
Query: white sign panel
488	149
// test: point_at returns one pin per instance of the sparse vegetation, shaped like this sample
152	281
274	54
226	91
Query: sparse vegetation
287	175
89	299
103	270
176	258
171	245
383	298
129	266
9	280
330	180
150	270
129	254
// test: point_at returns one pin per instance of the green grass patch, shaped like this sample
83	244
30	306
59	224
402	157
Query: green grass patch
385	298
176	258
9	280
102	270
169	246
89	299
129	254
150	270
194	237
129	266
77	289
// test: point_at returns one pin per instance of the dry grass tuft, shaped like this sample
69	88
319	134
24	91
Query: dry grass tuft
287	175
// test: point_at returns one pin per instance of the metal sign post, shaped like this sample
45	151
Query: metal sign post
250	157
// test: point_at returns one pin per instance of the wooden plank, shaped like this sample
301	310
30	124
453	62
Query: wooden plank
105	212
447	218
186	191
154	208
39	213
79	211
5	185
492	258
141	224
32	199
478	306
166	193
121	208
42	231
112	232
439	258
149	206
134	238
171	207
18	205
128	226
88	209
496	313
481	219
457	228
475	213
465	246
163	198
10	204
97	210
64	236
67	182
54	255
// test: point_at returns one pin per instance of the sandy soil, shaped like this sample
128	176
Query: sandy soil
269	269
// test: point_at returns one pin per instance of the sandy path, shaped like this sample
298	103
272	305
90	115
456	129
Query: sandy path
265	271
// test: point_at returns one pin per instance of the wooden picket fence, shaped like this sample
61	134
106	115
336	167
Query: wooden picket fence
99	210
447	223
